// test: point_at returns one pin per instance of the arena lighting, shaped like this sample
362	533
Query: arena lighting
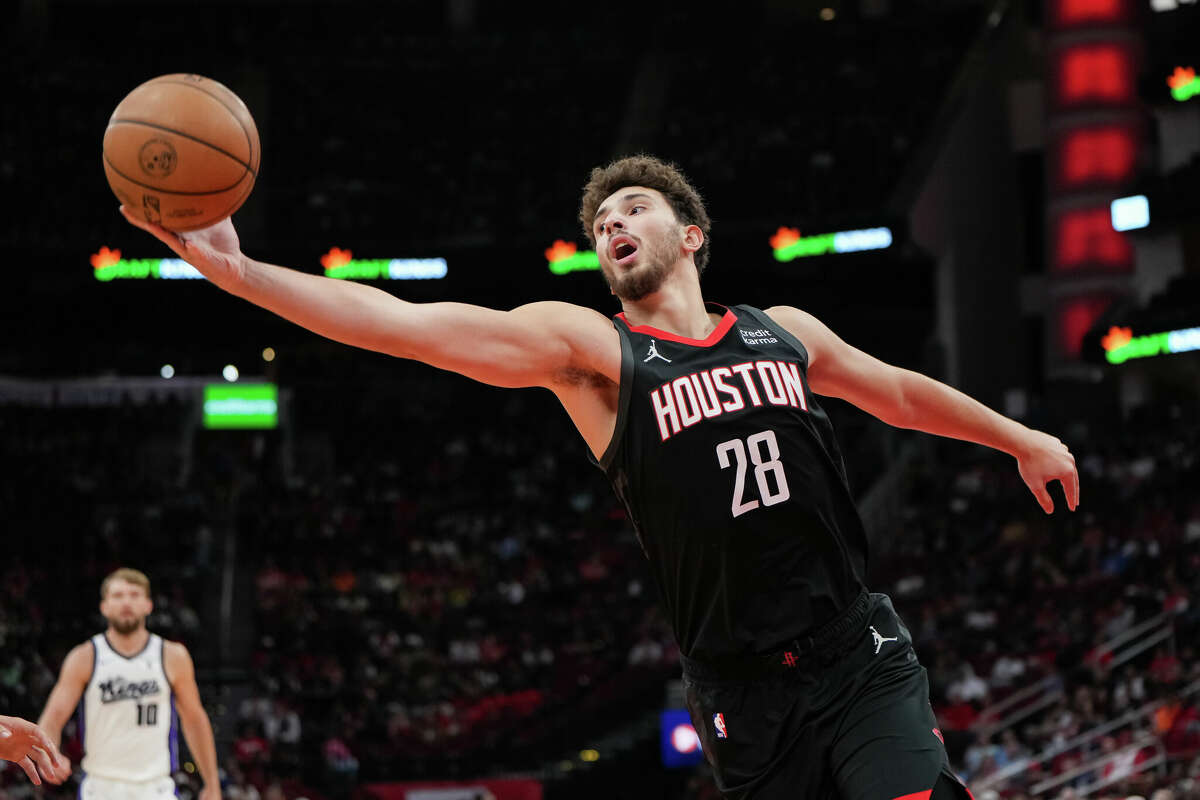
244	406
230	373
1094	73
679	744
1085	237
1169	5
167	371
1120	344
1076	315
1184	83
339	263
1130	213
108	264
564	257
1096	154
788	244
1079	12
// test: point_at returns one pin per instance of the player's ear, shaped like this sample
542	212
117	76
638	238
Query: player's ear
693	238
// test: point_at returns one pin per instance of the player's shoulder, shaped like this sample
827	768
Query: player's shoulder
85	648
177	661
789	315
80	660
815	335
798	322
174	650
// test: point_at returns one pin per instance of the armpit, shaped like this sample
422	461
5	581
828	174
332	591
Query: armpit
577	376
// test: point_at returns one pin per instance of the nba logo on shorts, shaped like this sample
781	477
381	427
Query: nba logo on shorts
719	724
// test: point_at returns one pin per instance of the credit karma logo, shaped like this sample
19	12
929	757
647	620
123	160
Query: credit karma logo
788	244
563	257
243	406
1184	83
108	265
339	263
1120	344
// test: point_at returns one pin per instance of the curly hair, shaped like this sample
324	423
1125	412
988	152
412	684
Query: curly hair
653	173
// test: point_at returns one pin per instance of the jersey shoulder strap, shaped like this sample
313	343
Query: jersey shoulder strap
100	645
96	642
624	392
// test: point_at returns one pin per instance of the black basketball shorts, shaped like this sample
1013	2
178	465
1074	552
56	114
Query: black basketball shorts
851	723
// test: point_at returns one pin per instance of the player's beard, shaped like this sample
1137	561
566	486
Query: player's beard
126	626
645	278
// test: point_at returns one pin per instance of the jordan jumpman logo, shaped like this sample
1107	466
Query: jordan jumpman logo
880	640
654	353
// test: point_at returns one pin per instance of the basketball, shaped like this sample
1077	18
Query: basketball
182	150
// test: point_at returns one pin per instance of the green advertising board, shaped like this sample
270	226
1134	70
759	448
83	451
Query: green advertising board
246	406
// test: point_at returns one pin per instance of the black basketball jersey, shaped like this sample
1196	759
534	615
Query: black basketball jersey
734	483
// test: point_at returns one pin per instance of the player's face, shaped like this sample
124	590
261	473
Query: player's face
638	240
125	606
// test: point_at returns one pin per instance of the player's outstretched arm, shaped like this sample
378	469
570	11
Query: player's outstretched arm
540	344
64	697
908	399
28	745
197	728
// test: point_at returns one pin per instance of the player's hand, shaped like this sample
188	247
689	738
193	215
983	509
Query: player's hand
214	250
29	746
1042	459
211	791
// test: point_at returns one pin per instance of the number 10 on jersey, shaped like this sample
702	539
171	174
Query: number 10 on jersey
147	714
763	448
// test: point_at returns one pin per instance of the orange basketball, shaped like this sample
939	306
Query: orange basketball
182	150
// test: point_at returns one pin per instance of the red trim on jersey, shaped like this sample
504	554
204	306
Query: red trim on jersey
916	796
722	328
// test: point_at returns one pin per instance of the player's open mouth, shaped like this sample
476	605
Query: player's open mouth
623	250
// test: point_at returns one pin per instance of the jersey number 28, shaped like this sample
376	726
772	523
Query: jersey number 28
733	453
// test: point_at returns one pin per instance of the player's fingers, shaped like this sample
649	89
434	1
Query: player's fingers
165	236
1043	497
1071	485
44	761
30	770
61	769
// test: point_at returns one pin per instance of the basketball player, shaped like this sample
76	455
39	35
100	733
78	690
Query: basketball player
29	746
706	420
137	690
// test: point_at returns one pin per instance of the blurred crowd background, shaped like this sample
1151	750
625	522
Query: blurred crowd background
417	578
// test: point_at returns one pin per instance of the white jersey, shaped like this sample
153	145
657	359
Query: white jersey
130	729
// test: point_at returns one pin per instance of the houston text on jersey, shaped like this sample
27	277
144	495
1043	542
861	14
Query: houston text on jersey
684	401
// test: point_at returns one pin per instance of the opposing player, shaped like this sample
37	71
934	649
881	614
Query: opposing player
137	690
706	420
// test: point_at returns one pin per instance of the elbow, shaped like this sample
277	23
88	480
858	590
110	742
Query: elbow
904	411
907	416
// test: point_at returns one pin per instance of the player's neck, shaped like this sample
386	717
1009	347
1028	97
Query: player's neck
127	644
677	307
